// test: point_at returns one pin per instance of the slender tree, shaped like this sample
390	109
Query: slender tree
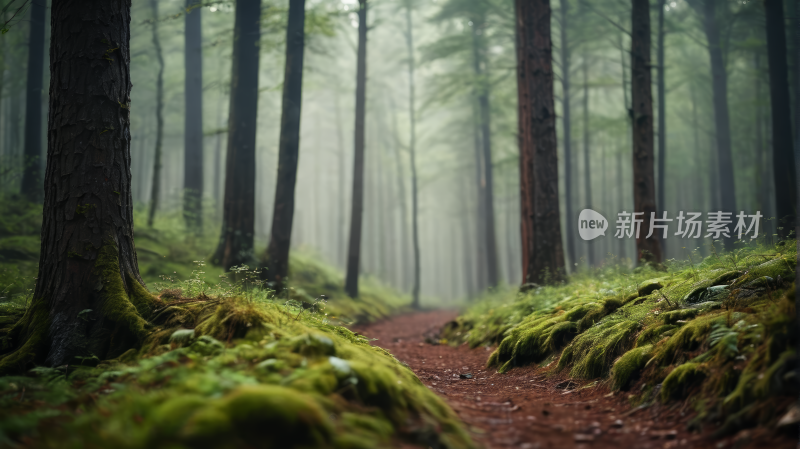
89	298
644	196
484	117
782	144
567	125
542	252
412	154
238	213
719	83
155	190
289	147
193	119
357	204
587	172
31	174
662	113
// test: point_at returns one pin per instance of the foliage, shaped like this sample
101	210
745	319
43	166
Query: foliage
722	328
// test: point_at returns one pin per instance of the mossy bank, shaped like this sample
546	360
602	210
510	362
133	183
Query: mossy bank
719	332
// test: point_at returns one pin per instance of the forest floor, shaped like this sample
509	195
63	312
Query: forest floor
533	407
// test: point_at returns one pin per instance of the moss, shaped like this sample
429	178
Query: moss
117	304
681	379
592	352
687	338
28	336
653	333
674	316
628	365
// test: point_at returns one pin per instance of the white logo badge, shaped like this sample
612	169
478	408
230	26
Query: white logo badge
591	224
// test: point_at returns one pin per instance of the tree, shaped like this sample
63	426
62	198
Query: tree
782	145
31	174
719	82
412	153
288	151
567	122
357	204
89	297
156	185
484	119
238	213
587	172
193	119
542	252
648	248
662	112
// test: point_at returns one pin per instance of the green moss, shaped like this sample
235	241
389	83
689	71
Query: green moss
653	333
681	379
593	352
674	316
27	339
628	365
117	304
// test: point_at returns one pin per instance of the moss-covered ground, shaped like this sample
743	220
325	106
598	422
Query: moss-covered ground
718	331
226	363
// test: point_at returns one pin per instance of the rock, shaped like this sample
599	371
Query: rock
791	418
582	437
618	423
465	375
649	286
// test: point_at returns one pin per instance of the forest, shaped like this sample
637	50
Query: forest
399	223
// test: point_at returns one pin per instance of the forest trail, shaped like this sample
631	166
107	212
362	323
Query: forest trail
527	409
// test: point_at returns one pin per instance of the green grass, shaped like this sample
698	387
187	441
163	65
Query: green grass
711	331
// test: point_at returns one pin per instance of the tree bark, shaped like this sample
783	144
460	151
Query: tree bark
155	190
89	297
357	204
648	249
289	149
567	123
31	174
782	144
412	154
542	252
238	212
193	119
719	77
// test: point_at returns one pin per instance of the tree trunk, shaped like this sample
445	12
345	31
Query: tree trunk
357	205
542	252
89	297
662	114
484	111
31	174
566	120
193	119
782	144
238	213
412	154
155	190
648	249
719	83
289	149
587	172
480	206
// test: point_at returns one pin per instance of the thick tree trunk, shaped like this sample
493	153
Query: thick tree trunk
155	189
644	199
782	144
484	117
289	147
357	204
719	81
193	119
412	154
542	252
32	174
238	213
89	297
567	122
587	169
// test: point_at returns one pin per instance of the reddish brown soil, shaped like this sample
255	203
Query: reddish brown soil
526	409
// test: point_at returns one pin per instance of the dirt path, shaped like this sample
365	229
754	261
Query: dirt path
526	409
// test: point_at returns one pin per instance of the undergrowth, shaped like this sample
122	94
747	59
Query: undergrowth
718	331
